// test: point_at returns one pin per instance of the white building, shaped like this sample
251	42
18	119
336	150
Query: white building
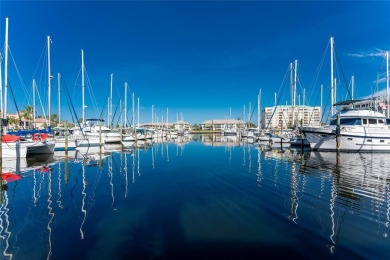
282	116
222	124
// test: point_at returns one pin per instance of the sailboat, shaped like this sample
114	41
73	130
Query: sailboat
229	130
15	147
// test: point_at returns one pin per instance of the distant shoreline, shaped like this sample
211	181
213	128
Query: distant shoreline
206	132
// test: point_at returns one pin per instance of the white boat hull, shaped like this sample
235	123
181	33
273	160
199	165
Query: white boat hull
361	139
14	149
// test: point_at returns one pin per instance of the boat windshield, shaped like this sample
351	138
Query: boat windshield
347	121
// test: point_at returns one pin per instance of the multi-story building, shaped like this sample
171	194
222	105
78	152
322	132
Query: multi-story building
288	116
222	124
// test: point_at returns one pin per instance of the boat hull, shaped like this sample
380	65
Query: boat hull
360	139
14	150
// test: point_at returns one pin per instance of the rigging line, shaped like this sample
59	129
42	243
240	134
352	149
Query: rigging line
91	93
279	95
326	105
40	101
18	73
316	75
75	84
70	103
342	71
40	58
117	106
16	105
104	105
312	112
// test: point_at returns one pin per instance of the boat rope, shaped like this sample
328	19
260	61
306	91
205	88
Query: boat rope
342	72
283	85
71	107
16	105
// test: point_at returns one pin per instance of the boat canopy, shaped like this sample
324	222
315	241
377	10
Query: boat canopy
348	102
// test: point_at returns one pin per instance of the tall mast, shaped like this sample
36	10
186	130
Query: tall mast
152	114
295	82
322	87
132	116
138	112
332	99
82	86
6	68
125	104
353	86
33	92
110	105
291	84
59	99
258	110
120	107
275	99
387	83
48	81
108	111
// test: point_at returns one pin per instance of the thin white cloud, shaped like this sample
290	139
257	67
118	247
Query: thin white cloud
366	54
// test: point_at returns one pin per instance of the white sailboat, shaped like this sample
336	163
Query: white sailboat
16	147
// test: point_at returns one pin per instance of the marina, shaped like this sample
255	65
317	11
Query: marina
194	130
200	196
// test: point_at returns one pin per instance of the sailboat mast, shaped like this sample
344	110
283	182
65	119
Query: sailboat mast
331	78
59	99
110	105
353	86
292	93
6	68
125	104
33	92
295	82
82	87
152	114
132	116
387	83
138	112
48	82
258	110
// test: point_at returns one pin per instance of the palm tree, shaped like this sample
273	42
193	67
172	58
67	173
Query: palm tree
27	113
54	119
13	121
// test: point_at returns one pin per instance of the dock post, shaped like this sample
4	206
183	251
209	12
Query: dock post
281	132
338	134
100	138
66	138
121	134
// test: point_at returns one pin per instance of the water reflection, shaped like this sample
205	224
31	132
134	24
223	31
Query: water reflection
193	193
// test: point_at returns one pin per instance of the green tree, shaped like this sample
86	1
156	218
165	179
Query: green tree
27	113
12	121
54	120
196	127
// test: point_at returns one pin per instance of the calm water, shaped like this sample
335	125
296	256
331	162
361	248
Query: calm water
205	198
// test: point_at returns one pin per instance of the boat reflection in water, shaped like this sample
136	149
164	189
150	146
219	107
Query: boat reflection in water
184	198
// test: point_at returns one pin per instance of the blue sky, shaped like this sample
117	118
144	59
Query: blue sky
196	58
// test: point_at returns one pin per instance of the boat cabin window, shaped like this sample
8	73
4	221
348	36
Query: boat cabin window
364	121
372	121
347	121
